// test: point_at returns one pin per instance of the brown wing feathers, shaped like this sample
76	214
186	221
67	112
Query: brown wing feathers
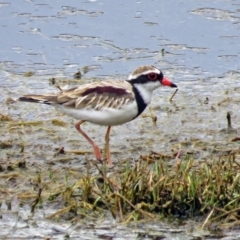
95	96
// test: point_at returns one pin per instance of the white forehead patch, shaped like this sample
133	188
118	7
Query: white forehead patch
134	76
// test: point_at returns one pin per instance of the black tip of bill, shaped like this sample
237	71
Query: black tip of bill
173	85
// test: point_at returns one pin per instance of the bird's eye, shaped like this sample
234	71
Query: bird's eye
152	76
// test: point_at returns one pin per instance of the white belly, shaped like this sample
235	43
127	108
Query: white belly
105	116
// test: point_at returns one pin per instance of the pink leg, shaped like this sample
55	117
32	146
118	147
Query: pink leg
96	149
107	146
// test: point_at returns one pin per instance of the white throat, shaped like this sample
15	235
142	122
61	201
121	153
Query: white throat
145	93
146	89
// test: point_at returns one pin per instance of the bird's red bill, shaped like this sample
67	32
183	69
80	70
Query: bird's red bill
167	82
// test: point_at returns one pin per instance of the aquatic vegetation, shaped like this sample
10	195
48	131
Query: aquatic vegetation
150	190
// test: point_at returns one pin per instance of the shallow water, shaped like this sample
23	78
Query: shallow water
201	36
201	48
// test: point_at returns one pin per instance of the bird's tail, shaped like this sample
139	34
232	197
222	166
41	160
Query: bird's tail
46	99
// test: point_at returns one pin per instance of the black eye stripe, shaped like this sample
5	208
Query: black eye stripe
145	78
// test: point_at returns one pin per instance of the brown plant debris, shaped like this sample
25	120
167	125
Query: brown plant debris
151	189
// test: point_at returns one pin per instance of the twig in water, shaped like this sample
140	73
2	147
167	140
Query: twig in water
229	121
209	215
173	95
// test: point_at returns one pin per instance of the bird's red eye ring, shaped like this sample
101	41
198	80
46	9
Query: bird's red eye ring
152	76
